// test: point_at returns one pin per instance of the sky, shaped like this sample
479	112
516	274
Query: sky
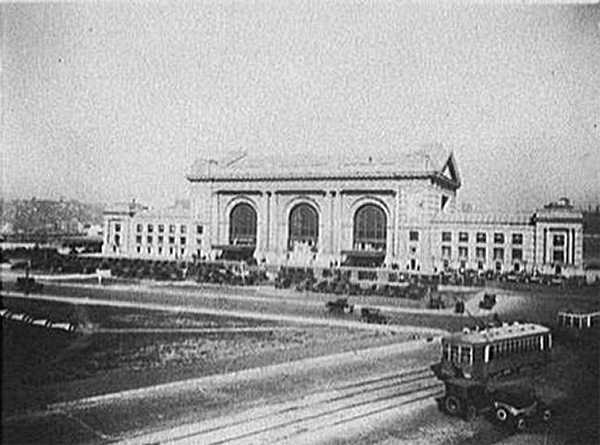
111	101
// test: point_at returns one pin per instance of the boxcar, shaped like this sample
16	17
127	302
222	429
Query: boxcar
490	353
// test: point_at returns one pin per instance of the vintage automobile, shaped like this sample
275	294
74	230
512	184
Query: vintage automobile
371	315
488	302
339	306
517	407
512	407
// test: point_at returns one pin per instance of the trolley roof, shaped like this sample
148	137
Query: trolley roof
504	332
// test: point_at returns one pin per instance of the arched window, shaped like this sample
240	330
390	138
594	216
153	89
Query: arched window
370	228
242	225
304	225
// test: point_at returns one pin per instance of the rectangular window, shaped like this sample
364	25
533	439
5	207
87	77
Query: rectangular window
182	228
446	252
463	237
138	239
161	239
182	240
138	249
498	238
559	240
413	235
447	237
199	241
481	237
172	228
517	254
499	253
150	228
463	252
171	240
558	256
149	239
139	228
199	229
117	227
117	240
161	228
480	253
517	238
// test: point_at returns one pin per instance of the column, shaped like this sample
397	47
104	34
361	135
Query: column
396	252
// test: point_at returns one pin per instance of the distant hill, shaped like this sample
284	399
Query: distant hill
34	216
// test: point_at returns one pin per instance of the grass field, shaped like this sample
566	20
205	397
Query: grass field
127	348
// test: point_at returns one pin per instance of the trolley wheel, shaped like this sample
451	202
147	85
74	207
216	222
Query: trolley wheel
502	415
470	413
452	405
520	423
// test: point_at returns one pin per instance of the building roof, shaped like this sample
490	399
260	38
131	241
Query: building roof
181	209
504	332
515	219
422	161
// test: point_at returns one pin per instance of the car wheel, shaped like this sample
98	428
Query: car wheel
546	415
452	405
502	415
520	423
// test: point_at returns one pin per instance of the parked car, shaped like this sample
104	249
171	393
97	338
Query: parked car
339	306
516	408
371	315
488	302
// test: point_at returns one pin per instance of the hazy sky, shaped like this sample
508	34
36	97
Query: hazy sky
113	101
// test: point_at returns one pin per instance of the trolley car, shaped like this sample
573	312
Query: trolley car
578	327
494	352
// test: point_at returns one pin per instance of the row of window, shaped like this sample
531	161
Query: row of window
463	355
577	320
480	253
481	237
517	346
161	251
161	239
458	354
161	228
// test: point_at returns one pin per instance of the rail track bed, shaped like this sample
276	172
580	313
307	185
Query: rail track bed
309	419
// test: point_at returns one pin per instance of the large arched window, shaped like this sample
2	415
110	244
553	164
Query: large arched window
242	225
370	228
304	225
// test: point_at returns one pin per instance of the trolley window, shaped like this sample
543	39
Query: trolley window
466	355
454	353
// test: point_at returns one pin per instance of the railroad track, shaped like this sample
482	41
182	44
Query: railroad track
308	419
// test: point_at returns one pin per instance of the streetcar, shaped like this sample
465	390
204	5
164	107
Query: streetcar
576	327
487	354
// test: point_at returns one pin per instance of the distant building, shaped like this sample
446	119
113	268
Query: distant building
395	210
132	230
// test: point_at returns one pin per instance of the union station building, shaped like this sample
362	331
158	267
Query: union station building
397	211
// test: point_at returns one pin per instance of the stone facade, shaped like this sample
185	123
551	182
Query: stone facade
134	231
397	211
